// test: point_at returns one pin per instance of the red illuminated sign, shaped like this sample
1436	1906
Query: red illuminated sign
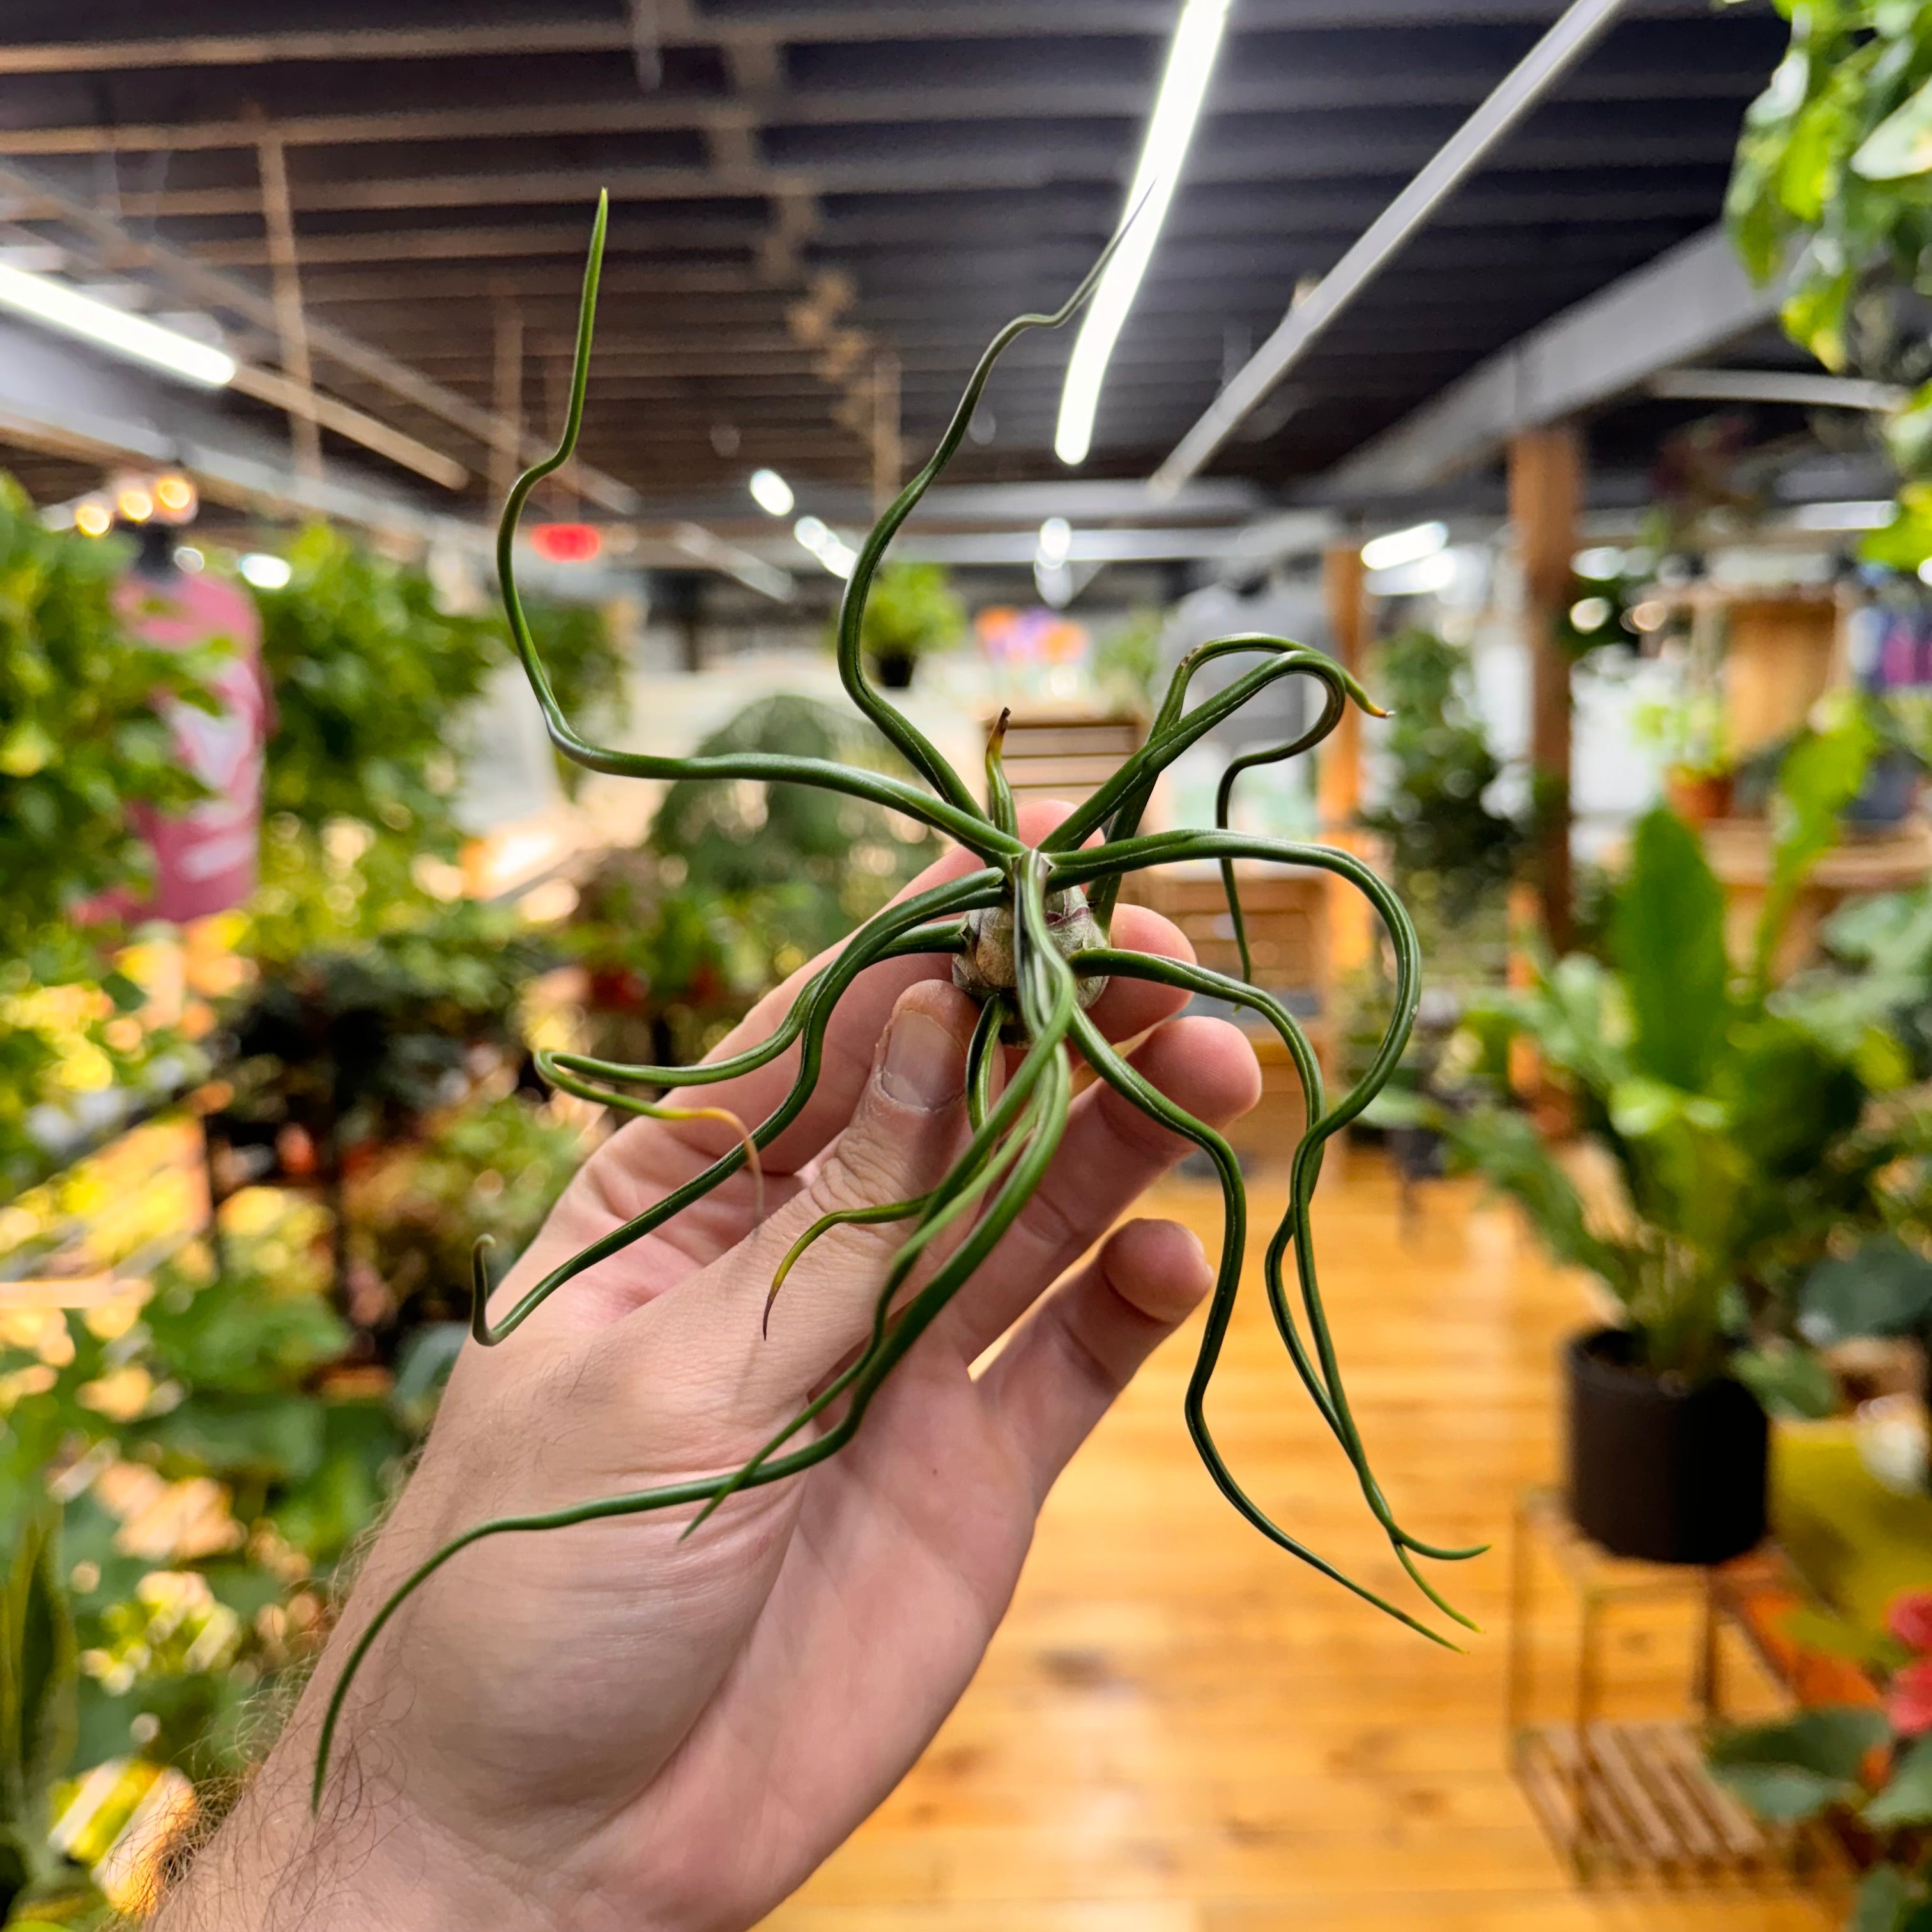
566	543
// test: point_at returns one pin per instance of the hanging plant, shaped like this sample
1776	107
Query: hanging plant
1832	187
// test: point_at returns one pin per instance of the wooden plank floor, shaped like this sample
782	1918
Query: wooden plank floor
1180	1729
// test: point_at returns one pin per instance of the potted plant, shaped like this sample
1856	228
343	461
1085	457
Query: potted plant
1740	1136
1688	730
911	612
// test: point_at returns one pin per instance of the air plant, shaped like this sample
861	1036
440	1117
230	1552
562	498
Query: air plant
1028	935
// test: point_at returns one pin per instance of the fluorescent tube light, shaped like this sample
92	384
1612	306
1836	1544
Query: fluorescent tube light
1401	547
67	308
824	543
1862	516
1197	37
771	492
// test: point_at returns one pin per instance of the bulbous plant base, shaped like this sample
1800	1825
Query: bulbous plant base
984	965
1665	1473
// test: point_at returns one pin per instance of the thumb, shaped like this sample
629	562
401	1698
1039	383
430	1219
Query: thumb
908	1128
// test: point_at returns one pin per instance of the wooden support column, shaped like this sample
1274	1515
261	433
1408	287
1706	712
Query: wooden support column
291	320
1545	476
1339	775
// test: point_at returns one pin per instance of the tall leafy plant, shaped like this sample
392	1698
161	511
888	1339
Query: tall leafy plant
1740	1123
1448	850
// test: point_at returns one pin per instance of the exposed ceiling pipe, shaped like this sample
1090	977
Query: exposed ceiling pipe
1808	390
1521	87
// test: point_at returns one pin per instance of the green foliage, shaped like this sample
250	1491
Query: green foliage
68	1034
214	1375
1796	1768
1449	852
1833	179
1747	1139
1884	1288
80	739
493	1171
369	674
802	865
1667	942
373	991
39	1721
1887	1901
1821	775
911	611
1126	657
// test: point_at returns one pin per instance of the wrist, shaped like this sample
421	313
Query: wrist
370	1861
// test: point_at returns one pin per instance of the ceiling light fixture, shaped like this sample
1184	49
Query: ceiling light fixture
1401	547
824	543
65	308
1197	37
771	492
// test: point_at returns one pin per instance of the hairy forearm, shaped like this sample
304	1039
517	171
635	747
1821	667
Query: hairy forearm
370	1862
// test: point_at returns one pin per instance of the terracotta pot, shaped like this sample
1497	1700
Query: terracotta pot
1668	1473
1698	797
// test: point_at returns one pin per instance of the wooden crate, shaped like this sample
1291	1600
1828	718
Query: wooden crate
1066	753
1287	915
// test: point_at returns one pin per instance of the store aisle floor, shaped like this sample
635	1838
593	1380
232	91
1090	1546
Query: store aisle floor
1180	1729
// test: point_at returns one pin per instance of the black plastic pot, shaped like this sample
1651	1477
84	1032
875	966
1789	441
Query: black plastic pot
894	669
1669	1473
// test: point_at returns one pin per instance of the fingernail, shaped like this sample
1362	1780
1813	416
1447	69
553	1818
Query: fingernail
924	1066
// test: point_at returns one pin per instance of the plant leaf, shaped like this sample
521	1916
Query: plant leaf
1789	1381
43	1701
1667	937
1906	1798
1883	1896
1884	1288
1821	775
1796	1768
1901	145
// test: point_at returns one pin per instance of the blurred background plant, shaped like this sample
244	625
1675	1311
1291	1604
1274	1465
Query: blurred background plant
911	613
1828	189
1735	1134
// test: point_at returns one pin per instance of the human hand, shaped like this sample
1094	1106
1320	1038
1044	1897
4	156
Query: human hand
607	1725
